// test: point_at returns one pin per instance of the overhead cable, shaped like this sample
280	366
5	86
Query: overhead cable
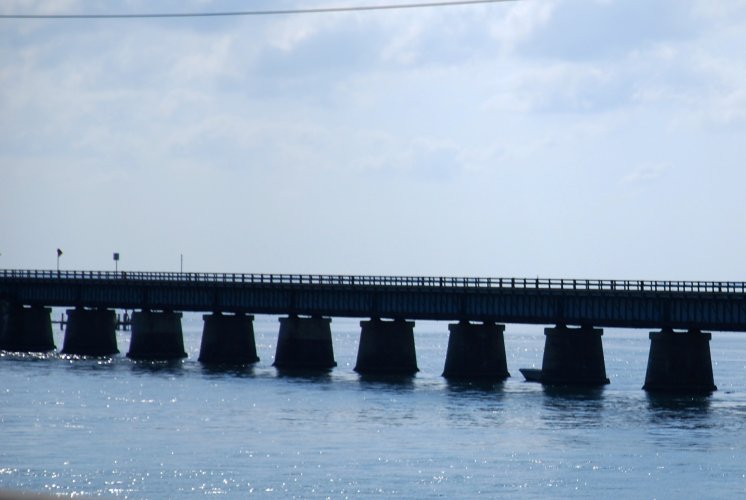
319	10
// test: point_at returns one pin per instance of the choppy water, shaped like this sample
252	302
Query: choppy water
160	430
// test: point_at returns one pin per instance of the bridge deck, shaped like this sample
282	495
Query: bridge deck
704	305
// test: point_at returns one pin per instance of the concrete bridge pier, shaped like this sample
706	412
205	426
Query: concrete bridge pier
228	339
476	351
156	335
679	362
386	347
4	316
572	356
26	329
90	332
305	344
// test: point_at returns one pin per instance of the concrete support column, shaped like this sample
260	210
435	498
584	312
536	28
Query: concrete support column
228	339
679	362
572	356
90	332
305	343
26	329
476	352
4	314
386	347
156	336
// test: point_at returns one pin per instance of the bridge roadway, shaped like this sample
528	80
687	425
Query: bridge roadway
573	352
718	306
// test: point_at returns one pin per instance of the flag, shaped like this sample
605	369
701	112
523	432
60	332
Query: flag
59	252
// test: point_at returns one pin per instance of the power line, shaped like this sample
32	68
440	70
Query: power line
320	10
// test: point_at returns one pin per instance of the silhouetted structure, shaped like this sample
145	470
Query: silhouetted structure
479	306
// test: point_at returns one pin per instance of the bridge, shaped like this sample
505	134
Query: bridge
683	312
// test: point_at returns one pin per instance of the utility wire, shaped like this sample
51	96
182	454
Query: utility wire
320	10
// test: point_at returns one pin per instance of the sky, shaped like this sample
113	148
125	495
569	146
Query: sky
549	138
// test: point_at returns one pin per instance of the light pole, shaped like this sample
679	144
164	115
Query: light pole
59	254
116	262
181	266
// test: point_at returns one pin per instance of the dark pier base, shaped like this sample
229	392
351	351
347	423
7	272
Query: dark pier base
26	329
4	318
305	344
90	332
476	352
572	356
386	347
679	362
228	339
156	336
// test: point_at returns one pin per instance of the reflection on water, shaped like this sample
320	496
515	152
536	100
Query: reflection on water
682	423
170	367
28	356
570	393
300	375
385	400
393	382
231	370
476	388
475	404
680	410
84	357
139	429
573	407
88	364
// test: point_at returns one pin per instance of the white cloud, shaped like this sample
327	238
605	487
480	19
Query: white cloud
39	7
368	135
207	59
724	99
403	48
647	173
722	12
521	22
558	87
289	34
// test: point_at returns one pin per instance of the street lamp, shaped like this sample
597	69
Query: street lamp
116	262
59	254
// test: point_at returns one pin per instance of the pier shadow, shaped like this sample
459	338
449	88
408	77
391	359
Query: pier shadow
573	407
386	381
239	370
573	393
691	411
474	406
474	387
305	374
470	404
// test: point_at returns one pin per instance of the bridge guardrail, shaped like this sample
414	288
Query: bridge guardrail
396	281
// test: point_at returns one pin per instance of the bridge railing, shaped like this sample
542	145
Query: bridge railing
180	278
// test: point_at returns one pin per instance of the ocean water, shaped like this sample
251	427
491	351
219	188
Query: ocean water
123	429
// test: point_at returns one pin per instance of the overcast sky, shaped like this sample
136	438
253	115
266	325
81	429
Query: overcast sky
551	138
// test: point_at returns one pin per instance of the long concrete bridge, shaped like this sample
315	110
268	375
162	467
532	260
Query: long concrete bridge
682	312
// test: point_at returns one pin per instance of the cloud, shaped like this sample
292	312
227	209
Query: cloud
647	173
598	29
38	7
521	23
561	87
270	133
